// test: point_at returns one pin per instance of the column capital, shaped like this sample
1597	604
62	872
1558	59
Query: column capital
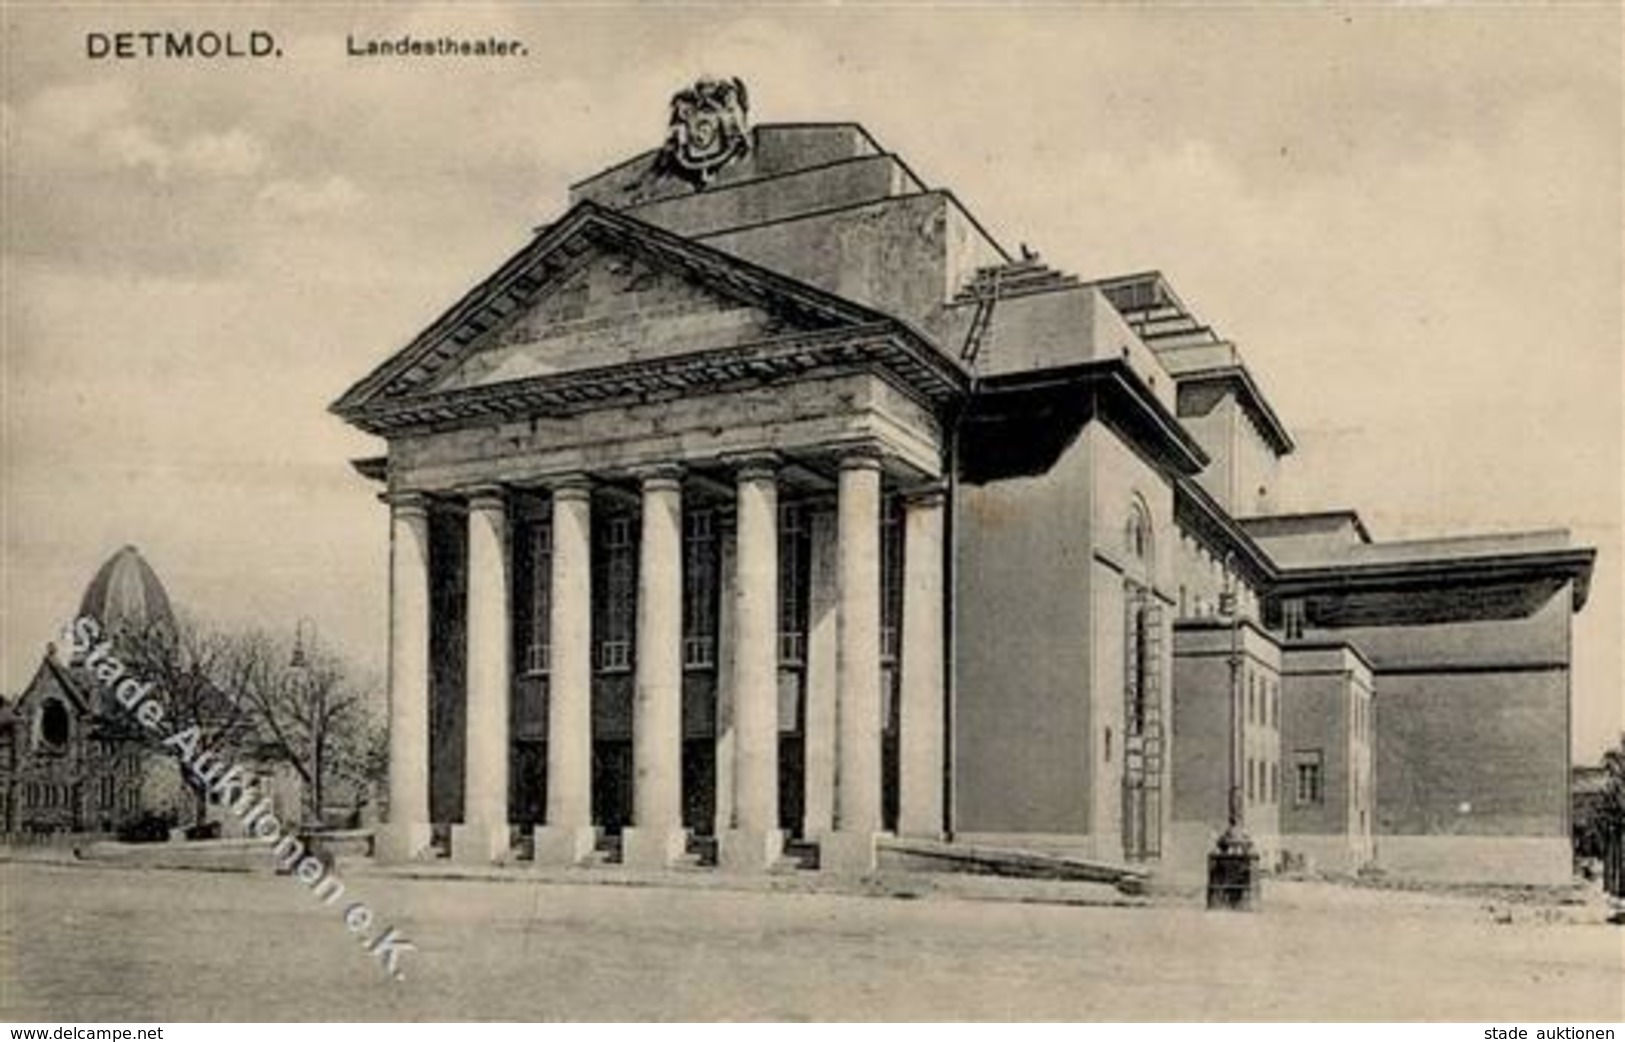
861	455
406	502
656	477
485	497
925	497
574	486
750	466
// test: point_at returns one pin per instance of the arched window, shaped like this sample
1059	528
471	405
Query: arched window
54	724
1138	538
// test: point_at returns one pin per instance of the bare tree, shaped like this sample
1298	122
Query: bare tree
194	670
247	696
1610	823
310	714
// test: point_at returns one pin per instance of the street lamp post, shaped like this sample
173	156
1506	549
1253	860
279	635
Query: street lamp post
299	660
1233	878
310	831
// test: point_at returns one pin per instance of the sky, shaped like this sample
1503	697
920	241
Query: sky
1408	218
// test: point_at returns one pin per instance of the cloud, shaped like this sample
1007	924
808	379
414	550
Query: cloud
235	153
66	115
335	195
114	180
136	148
99	127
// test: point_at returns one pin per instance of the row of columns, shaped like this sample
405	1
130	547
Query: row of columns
844	789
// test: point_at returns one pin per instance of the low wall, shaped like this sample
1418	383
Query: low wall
225	855
1518	860
1064	844
1326	852
57	840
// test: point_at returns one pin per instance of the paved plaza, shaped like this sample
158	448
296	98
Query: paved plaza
101	943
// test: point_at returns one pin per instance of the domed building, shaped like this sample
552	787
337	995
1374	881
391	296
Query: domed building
74	760
71	759
125	595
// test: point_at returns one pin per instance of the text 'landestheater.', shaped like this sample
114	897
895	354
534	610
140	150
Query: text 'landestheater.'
764	506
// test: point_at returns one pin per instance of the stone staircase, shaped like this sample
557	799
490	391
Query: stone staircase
937	856
1015	279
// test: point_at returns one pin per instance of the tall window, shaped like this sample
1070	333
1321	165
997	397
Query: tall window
795	555
1292	618
1307	768
699	589
1139	659
618	611
538	631
1137	538
891	578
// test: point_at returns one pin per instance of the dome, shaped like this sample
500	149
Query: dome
126	596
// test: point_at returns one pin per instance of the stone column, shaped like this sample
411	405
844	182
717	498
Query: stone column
728	570
485	835
823	588
407	834
851	847
921	742
755	842
568	835
657	837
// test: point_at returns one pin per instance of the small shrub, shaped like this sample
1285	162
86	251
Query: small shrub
150	827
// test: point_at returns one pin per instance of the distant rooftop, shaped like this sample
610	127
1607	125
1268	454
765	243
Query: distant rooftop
1308	523
1154	311
1340	537
1499	544
1187	347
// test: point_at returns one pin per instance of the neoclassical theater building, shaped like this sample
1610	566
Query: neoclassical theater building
764	500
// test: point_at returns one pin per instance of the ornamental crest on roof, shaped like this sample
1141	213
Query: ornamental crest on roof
707	130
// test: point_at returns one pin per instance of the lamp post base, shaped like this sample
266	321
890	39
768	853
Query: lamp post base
1234	881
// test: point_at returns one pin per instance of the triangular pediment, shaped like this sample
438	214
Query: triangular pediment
51	681
595	290
614	306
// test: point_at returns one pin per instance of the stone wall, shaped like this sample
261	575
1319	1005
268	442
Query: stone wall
1021	742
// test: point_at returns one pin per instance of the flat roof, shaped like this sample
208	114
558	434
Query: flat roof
1263	526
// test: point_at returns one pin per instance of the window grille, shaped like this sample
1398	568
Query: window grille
539	634
1307	767
795	554
618	620
1140	664
700	566
891	579
1292	618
